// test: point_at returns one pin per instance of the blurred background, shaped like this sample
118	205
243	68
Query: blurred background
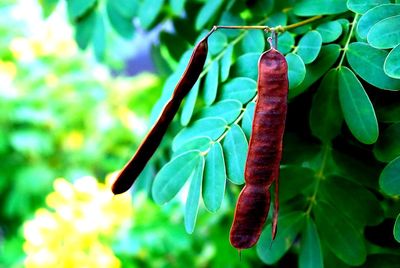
71	114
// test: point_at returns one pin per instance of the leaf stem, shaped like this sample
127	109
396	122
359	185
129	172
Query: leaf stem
346	46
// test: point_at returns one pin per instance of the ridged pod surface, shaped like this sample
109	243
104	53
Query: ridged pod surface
265	152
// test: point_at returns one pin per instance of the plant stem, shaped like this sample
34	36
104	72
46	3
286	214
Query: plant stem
346	46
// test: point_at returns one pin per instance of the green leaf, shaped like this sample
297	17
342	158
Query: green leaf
326	102
319	7
122	25
188	107
211	127
296	70
326	58
330	31
99	38
375	15
201	144
48	7
342	238
193	198
217	42
241	88
309	46
310	255
289	227
285	42
362	6
77	8
149	11
178	6
235	151
357	109
211	83
214	178
247	121
126	8
253	41
171	178
396	229
388	146
226	62
246	66
382	260
368	62
391	65
294	181
389	181
207	13
226	109
385	33
84	30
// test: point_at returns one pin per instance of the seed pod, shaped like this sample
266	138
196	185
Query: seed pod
265	151
153	139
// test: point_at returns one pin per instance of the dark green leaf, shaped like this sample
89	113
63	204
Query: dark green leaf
84	30
193	198
253	41
188	107
285	42
375	15
362	6
385	33
226	109
389	180
309	46
217	42
368	62
242	89
226	62
326	103
171	178
149	11
326	58
330	31
122	25
289	227
388	146
357	109
382	260
207	12
294	180
310	252
211	127
235	151
296	70
396	229
391	65
77	8
247	120
211	83
246	66
342	238
214	178
319	7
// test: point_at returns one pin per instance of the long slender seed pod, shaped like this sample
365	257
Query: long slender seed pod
265	150
153	139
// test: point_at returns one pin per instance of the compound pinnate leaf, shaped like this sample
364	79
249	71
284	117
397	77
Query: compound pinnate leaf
385	33
242	89
226	109
330	31
200	143
309	46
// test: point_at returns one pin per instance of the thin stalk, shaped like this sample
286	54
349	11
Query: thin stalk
346	45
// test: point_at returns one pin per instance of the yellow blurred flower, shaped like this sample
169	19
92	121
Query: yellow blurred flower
70	233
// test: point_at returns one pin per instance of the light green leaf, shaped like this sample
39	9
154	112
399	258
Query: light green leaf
330	31
326	58
289	227
178	6
48	7
296	70
368	62
396	229
84	30
122	25
99	38
217	42
310	251
214	178
389	180
253	41
126	8
319	7
241	88
385	33
342	238
171	178
326	103
226	109
211	83
362	6
246	66
235	151
226	62
375	15
388	146
149	11
247	121
391	65
357	109
188	107
77	8
309	46
285	42
201	144
207	12
193	198
211	127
